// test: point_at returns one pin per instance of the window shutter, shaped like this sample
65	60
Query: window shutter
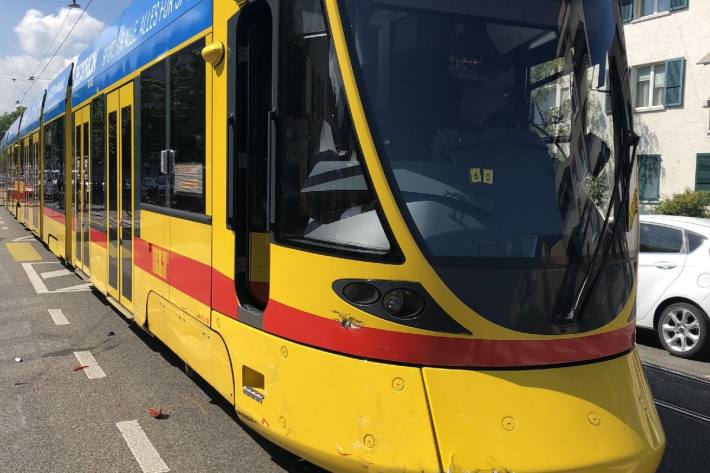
607	103
627	10
702	173
679	4
649	177
675	78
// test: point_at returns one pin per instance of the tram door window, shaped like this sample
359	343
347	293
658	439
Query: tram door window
119	162
54	165
36	182
30	212
81	189
253	103
25	181
97	190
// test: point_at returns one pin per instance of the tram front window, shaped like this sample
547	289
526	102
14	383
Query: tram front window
490	118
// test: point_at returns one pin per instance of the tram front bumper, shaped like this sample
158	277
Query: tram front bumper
598	417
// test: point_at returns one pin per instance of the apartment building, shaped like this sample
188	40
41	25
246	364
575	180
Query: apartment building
668	44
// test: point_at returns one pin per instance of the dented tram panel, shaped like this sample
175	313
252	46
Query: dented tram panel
235	178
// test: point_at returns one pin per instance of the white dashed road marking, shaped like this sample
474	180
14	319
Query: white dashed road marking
55	274
144	452
92	370
39	286
24	238
58	317
4	228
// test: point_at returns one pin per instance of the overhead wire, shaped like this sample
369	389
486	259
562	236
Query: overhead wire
51	43
49	61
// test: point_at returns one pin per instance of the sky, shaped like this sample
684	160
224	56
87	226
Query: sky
31	32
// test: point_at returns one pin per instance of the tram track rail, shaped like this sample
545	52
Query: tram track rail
680	392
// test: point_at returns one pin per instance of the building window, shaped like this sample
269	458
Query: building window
649	177
660	85
702	172
633	9
651	7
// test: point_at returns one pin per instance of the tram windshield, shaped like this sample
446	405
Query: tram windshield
494	120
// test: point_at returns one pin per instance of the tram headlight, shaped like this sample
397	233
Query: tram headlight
361	293
403	303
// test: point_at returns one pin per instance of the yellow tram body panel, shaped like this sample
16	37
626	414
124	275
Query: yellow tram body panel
346	389
606	405
351	415
342	413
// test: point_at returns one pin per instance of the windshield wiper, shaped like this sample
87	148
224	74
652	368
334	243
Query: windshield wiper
631	140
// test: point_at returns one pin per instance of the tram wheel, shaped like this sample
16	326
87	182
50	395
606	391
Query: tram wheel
683	330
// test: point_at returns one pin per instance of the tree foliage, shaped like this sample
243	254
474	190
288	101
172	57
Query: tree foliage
687	204
7	118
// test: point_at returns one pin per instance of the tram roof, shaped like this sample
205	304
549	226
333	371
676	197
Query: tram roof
32	116
13	133
56	94
145	30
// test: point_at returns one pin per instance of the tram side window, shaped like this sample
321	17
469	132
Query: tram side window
98	164
187	128
153	139
173	123
54	165
325	199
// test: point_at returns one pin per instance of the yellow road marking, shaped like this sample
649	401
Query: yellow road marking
23	252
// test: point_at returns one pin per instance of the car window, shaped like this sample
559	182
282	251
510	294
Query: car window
694	241
660	239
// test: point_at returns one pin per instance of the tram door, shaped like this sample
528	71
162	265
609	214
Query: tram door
253	105
81	189
119	194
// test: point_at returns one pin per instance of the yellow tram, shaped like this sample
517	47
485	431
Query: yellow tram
396	235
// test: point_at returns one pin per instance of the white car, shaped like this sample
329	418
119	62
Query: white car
674	282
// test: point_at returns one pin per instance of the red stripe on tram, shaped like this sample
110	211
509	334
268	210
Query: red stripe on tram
98	237
185	274
55	215
224	295
386	345
214	289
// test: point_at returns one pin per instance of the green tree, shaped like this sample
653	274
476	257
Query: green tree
7	118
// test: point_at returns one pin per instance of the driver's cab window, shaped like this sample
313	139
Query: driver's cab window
325	197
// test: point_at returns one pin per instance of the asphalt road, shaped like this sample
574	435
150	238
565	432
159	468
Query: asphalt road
57	418
682	392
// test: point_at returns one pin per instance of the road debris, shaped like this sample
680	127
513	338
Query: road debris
80	367
18	359
155	412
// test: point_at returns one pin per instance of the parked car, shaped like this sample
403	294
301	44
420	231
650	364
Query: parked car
674	282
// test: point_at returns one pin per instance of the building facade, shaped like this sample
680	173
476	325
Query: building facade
668	43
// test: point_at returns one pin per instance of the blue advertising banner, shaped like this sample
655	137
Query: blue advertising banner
147	29
30	120
57	95
13	133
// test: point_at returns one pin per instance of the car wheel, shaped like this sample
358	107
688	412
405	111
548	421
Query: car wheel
683	330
